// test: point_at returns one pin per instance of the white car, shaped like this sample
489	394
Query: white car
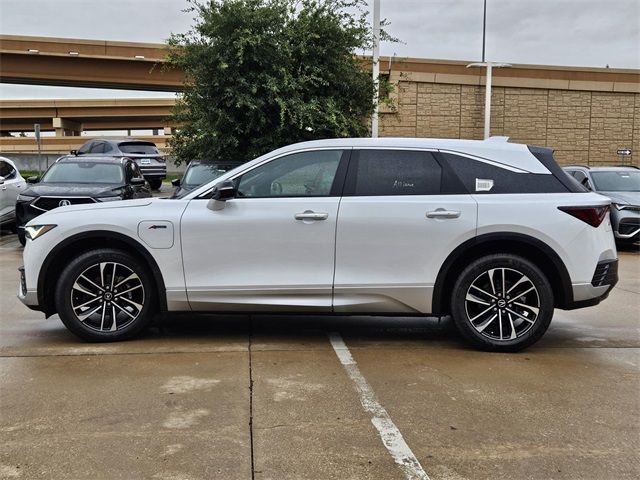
11	184
493	233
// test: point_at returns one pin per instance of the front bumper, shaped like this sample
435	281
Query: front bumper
626	223
27	296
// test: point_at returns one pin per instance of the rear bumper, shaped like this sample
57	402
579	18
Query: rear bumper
604	279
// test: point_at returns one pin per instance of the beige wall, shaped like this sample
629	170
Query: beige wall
585	127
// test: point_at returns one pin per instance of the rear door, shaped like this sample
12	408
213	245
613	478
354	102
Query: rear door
400	217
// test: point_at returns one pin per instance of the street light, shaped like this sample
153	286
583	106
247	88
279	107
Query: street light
487	92
489	66
376	67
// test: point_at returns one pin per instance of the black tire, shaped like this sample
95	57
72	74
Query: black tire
113	267
155	183
522	314
21	238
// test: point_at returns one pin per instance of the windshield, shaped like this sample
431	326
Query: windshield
617	181
142	148
200	174
84	172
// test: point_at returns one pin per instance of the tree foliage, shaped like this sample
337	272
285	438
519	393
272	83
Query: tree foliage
261	74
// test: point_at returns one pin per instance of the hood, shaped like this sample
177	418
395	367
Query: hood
624	198
72	190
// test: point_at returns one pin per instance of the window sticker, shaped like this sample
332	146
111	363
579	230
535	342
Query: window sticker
484	185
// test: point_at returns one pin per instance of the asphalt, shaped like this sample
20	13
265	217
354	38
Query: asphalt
266	397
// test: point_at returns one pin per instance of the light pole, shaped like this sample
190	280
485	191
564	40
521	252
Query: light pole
487	92
376	67
489	66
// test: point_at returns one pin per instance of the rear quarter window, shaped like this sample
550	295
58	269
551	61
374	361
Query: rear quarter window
476	176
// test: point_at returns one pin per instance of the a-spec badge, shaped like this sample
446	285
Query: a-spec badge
156	233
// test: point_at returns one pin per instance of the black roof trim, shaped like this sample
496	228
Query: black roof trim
545	156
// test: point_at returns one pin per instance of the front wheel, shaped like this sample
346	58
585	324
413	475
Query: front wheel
105	295
502	302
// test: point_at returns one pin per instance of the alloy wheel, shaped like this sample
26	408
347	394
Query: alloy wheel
107	296
502	304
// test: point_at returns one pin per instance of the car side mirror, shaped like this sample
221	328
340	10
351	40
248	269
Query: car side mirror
221	193
34	179
175	182
73	152
137	181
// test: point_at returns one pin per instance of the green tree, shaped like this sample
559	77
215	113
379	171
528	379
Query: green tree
261	74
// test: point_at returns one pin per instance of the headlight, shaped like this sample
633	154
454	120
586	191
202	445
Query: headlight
24	198
108	199
34	231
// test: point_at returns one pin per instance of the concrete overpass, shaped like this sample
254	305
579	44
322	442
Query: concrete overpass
71	117
86	63
140	66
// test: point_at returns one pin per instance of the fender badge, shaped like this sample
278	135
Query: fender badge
154	227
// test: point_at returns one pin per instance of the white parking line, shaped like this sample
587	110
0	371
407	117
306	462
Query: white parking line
389	433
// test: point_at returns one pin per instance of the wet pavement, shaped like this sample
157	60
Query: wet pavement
267	397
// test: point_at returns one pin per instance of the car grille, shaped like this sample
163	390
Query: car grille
49	203
606	273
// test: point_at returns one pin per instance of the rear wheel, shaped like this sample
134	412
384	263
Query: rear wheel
155	183
105	295
502	302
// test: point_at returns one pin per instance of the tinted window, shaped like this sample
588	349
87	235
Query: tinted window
306	174
97	147
393	172
84	172
85	148
200	174
142	148
479	177
6	170
617	181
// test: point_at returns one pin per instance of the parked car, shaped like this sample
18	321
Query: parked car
622	186
151	162
11	184
73	180
495	234
197	173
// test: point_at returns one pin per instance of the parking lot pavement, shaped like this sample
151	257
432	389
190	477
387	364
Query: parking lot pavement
264	397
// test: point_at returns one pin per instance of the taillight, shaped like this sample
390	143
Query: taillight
591	215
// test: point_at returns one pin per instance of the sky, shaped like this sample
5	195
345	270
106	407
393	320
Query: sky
592	33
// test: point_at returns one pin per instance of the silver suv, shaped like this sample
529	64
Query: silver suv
622	186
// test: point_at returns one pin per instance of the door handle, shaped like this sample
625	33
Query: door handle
311	215
442	213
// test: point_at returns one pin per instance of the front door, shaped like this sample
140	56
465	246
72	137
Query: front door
10	187
273	246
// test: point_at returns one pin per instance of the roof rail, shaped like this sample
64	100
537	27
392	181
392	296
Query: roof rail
577	165
497	138
628	166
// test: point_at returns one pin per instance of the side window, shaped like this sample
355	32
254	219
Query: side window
85	148
6	170
107	148
97	147
483	178
305	174
393	172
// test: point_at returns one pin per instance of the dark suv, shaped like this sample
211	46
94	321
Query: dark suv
72	180
622	186
151	162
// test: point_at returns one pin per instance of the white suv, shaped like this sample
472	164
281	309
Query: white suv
493	233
